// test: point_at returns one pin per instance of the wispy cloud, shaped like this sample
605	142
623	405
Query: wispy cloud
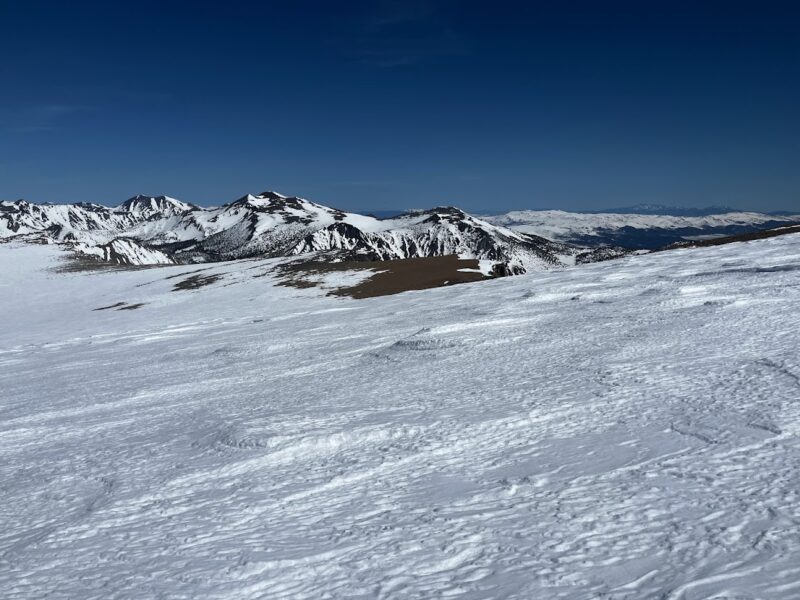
403	33
29	128
41	117
364	183
393	12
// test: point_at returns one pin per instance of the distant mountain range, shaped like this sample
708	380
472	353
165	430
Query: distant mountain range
662	209
147	230
634	230
649	209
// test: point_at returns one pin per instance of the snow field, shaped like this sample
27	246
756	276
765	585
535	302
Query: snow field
627	429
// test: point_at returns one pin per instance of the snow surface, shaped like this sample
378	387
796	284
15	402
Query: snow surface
625	429
484	267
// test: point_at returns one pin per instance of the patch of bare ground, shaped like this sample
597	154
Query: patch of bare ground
390	277
110	306
121	306
194	282
132	306
186	273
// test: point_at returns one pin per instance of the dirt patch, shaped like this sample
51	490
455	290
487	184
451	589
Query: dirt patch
110	306
122	306
195	282
186	273
132	306
390	277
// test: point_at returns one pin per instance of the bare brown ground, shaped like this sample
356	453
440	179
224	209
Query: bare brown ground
391	277
121	306
194	282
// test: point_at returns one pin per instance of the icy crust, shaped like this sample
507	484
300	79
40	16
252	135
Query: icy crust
625	430
271	224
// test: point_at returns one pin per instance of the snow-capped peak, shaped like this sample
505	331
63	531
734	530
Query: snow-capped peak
272	195
146	206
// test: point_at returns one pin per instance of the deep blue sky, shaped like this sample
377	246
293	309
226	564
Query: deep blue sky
376	105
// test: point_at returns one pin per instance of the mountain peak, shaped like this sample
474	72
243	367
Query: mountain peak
438	210
143	205
271	195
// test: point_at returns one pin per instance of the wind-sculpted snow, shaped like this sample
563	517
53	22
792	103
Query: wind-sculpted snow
156	230
621	430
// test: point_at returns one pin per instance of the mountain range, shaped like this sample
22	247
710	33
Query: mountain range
146	230
151	230
635	231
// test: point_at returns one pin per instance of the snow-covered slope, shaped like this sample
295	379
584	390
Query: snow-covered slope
84	223
438	232
623	430
633	230
125	251
155	230
145	207
60	222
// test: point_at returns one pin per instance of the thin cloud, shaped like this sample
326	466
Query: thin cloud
361	183
391	13
407	33
41	118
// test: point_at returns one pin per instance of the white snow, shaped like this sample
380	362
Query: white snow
333	280
148	206
626	429
484	266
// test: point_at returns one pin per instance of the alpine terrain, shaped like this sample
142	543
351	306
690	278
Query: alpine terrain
161	230
628	429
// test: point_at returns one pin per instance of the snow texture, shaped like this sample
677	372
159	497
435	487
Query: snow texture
621	430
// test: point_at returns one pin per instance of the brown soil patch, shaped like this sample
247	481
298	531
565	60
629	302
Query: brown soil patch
196	281
186	273
391	276
132	306
122	306
110	306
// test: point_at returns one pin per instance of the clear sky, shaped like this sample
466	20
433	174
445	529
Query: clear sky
402	104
